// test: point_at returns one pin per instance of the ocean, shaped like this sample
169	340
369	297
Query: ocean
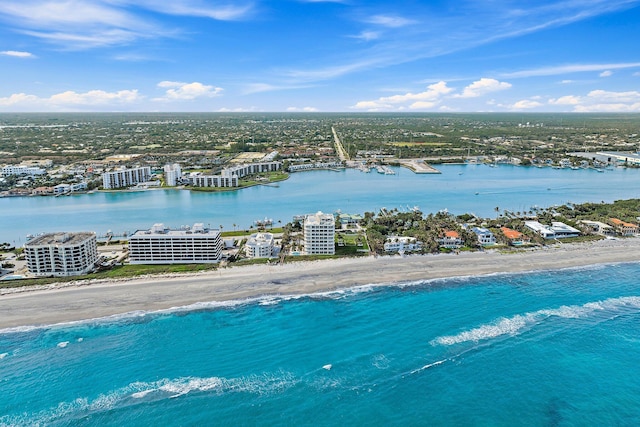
548	348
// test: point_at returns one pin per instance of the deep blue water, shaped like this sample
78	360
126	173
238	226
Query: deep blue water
506	187
543	349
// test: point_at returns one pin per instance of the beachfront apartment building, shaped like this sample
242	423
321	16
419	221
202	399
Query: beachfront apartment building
319	231
172	174
259	245
161	245
19	170
70	188
624	228
123	178
402	244
230	177
450	240
485	236
61	254
557	230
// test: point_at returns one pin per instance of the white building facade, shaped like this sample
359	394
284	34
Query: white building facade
123	178
172	174
229	177
22	170
402	244
161	245
61	254
485	236
319	231
259	245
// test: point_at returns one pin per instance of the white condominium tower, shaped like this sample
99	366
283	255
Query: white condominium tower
172	173
61	254
319	234
160	245
125	177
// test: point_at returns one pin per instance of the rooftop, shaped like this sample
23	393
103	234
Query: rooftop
60	238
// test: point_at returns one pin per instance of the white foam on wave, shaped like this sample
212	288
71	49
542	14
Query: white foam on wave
3	355
515	324
63	344
428	366
140	392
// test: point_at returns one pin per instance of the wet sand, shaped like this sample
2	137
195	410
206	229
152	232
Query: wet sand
84	300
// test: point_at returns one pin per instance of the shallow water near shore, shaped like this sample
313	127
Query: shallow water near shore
546	348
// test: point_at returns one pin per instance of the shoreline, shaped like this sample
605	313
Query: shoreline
93	299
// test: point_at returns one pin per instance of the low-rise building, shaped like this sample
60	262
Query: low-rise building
319	231
402	244
259	245
229	177
624	228
450	240
514	237
161	245
598	227
557	230
22	170
61	254
485	236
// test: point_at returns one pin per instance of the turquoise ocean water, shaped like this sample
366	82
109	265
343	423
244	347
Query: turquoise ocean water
554	348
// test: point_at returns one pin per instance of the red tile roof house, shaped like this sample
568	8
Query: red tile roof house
450	240
624	228
515	238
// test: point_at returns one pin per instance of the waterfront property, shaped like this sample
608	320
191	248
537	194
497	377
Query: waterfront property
22	170
485	236
598	227
61	254
514	237
259	245
123	178
624	228
319	231
230	177
161	245
172	174
402	244
557	230
450	240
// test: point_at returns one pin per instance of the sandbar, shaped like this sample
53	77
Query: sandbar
84	300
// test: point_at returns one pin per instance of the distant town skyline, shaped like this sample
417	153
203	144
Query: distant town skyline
319	56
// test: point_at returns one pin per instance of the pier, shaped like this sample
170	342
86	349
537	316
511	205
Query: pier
418	166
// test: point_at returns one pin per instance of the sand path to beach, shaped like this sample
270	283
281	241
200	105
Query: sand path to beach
95	299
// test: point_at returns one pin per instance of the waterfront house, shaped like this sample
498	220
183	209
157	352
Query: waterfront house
515	237
557	230
485	236
402	244
624	228
598	227
450	240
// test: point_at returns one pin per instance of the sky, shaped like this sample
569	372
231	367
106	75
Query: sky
319	56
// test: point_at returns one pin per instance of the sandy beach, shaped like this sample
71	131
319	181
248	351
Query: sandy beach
95	299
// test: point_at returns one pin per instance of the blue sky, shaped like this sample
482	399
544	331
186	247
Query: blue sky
320	55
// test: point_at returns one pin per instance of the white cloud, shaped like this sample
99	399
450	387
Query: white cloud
422	100
525	104
73	99
303	109
187	91
566	82
565	100
17	54
482	87
568	69
389	21
606	73
367	35
609	108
